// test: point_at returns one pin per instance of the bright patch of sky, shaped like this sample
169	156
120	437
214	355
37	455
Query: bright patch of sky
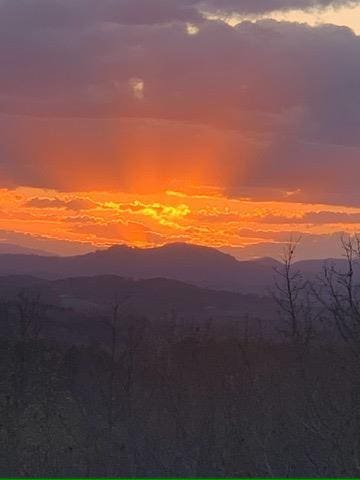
137	86
344	16
192	29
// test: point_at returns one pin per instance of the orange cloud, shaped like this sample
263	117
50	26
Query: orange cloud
157	124
158	218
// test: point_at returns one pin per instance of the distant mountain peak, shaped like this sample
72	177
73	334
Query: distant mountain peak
176	248
118	247
194	264
267	261
183	246
14	249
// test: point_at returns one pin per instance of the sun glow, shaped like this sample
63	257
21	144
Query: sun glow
184	130
100	219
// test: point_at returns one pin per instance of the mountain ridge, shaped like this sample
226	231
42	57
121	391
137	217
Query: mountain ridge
194	264
15	249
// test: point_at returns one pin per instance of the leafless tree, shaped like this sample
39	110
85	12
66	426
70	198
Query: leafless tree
292	295
338	293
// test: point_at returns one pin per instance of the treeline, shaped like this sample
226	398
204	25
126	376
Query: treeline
154	400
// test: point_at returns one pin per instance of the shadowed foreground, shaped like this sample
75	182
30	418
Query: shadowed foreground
162	399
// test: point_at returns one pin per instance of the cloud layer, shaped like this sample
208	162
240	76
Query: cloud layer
145	96
34	14
264	109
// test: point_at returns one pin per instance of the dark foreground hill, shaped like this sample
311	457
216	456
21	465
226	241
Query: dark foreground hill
80	309
182	382
155	298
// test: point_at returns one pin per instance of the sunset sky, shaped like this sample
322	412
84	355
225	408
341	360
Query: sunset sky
228	123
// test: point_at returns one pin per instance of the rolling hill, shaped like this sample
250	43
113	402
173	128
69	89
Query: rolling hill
202	266
197	265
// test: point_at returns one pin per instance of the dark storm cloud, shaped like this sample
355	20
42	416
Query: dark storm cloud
68	13
65	13
269	109
267	76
